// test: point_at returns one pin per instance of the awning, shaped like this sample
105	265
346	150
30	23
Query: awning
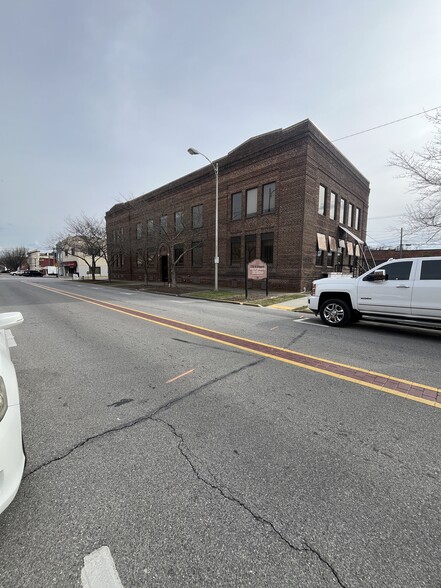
357	250
332	244
69	263
360	241
321	242
350	248
342	244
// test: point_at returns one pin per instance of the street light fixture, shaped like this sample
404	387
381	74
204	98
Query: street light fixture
215	166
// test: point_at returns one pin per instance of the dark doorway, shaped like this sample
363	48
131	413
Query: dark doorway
164	268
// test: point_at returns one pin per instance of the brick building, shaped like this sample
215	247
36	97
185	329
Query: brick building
288	197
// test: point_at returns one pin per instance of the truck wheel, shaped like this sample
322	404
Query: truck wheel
335	313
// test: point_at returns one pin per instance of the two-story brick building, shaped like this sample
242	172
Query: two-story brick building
288	197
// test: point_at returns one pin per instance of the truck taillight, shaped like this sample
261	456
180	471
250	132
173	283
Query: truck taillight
313	289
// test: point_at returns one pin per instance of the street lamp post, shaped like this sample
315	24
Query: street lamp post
215	166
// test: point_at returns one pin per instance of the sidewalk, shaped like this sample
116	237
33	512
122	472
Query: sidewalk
293	304
256	297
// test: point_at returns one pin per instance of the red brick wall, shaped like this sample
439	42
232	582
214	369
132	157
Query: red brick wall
297	159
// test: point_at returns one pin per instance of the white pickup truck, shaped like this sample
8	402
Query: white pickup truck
401	289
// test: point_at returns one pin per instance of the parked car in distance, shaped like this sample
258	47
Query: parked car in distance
16	273
32	274
12	457
404	290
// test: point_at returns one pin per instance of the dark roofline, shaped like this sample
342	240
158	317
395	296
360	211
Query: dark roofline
252	148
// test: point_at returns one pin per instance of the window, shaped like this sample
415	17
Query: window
138	230
163	224
431	270
399	270
236	206
139	258
319	257
250	248
350	213
151	252
330	259
332	206
150	228
197	216
252	202
357	219
119	260
179	222
269	197
179	254
235	250
322	200
267	247
97	271
196	254
342	210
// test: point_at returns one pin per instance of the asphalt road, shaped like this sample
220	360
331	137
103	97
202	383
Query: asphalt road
201	463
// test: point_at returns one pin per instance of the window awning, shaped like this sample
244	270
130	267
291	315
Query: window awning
357	250
350	248
321	242
69	263
342	244
360	241
332	244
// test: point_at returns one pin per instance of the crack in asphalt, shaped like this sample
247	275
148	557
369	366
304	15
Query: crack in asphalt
141	419
299	336
224	491
211	346
228	495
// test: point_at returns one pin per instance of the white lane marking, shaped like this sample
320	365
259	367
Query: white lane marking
274	328
307	319
99	570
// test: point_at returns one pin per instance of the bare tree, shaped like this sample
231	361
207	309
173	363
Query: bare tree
178	239
13	258
423	169
121	243
86	237
172	235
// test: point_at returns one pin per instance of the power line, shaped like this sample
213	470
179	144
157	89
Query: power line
381	217
386	124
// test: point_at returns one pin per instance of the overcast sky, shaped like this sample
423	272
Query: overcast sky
100	99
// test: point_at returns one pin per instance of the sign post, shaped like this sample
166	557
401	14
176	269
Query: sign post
257	270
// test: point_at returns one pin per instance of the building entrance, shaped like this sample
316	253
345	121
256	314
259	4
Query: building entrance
164	268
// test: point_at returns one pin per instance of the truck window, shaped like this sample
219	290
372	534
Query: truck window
431	270
399	270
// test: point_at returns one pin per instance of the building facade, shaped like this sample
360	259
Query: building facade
76	266
288	197
44	262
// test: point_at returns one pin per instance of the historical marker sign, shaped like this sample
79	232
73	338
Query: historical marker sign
257	270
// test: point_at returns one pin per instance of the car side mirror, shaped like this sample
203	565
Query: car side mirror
10	319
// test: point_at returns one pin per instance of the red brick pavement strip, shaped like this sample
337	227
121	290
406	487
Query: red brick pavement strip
383	382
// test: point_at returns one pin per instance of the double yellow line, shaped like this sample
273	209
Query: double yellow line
422	393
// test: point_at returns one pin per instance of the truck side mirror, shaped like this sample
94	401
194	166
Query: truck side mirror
380	275
376	276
